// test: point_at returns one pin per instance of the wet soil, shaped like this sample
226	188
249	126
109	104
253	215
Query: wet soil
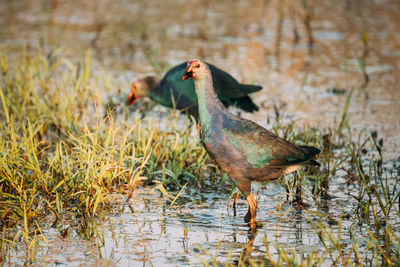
307	58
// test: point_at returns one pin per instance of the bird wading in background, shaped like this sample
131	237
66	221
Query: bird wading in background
243	149
172	92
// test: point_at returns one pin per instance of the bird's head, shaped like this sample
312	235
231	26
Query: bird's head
196	69
141	88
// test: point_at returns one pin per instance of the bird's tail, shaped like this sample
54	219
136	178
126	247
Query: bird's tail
313	162
249	88
246	104
311	150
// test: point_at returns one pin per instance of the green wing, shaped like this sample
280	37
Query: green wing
173	79
262	147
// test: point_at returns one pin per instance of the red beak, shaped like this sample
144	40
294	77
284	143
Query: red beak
189	72
131	97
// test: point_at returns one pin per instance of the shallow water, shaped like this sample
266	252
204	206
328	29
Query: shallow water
308	84
199	227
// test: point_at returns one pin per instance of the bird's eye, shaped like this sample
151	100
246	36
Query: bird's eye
197	66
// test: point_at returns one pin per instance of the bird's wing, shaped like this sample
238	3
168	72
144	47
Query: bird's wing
172	81
225	86
262	147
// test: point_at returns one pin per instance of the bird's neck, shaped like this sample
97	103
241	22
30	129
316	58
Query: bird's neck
151	84
208	102
159	95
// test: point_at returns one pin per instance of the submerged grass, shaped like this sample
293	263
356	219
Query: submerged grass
373	236
61	155
370	236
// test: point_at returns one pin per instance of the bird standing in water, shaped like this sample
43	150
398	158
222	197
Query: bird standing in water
243	149
172	92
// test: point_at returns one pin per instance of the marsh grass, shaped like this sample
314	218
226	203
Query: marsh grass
368	236
60	155
64	149
373	236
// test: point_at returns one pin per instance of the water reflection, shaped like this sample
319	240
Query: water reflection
145	231
308	58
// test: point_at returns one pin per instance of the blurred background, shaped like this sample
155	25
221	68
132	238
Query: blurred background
308	55
327	65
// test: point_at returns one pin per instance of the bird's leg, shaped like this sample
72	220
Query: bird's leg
235	197
251	236
245	256
299	192
258	193
252	213
247	217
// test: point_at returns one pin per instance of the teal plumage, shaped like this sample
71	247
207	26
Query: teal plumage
171	91
243	149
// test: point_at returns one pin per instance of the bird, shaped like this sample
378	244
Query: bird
171	92
243	149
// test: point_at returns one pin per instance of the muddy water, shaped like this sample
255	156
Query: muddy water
307	73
